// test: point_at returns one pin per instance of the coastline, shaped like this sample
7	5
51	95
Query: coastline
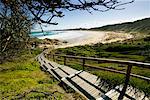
89	38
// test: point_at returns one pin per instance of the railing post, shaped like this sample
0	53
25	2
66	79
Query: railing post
83	63
53	57
99	56
122	93
64	60
50	56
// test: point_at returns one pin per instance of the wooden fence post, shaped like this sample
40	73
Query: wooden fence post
99	56
50	56
64	60
122	93
53	58
83	63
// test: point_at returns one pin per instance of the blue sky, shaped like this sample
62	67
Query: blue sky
82	19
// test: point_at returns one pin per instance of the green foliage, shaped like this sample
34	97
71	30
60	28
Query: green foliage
14	28
23	79
111	78
137	50
20	76
141	85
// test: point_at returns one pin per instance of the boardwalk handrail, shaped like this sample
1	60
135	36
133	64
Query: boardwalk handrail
127	73
133	63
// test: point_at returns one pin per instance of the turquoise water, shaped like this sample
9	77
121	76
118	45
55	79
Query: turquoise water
39	34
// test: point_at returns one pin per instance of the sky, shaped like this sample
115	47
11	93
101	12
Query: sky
82	19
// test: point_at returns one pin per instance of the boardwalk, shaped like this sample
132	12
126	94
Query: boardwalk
88	85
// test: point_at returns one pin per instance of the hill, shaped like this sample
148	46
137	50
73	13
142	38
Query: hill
139	26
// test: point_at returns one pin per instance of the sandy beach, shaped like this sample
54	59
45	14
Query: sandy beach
76	38
93	37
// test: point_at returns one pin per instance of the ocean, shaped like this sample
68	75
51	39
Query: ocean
41	34
60	35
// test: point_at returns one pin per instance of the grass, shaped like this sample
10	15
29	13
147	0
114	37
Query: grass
137	50
139	26
23	79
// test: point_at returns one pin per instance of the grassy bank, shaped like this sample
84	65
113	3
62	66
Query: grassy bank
23	79
140	26
136	50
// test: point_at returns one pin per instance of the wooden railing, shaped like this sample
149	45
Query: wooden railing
127	73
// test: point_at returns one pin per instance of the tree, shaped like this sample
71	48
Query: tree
14	29
17	17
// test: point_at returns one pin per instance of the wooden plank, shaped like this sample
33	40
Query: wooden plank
89	96
91	79
68	69
72	86
56	74
86	86
60	73
52	73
